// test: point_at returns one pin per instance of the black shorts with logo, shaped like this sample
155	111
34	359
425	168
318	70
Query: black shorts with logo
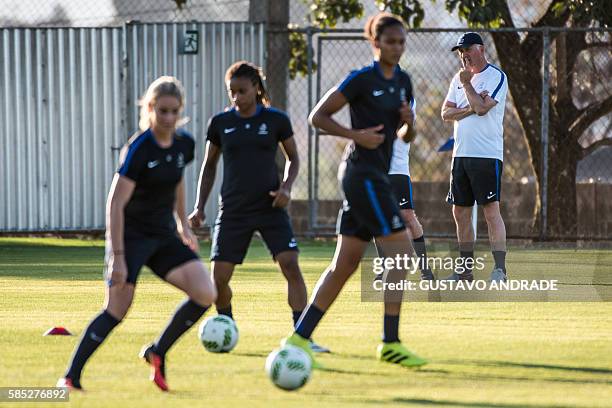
475	179
370	208
402	188
160	253
232	234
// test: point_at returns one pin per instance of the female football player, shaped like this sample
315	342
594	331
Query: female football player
252	196
377	96
146	224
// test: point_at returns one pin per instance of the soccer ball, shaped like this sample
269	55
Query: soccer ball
218	334
288	367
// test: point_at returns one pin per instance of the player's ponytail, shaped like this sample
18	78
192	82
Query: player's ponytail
377	24
245	69
162	86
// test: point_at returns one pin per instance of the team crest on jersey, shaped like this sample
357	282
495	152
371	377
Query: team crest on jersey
263	129
180	161
391	89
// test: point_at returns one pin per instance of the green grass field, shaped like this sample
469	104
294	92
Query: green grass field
505	355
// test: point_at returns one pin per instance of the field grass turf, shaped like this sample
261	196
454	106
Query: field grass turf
501	355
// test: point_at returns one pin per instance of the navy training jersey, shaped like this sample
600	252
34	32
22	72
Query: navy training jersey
375	100
249	149
156	171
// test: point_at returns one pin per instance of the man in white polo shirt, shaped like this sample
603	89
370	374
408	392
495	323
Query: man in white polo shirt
475	104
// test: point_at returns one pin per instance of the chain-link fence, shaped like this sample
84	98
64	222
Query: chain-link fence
530	149
95	13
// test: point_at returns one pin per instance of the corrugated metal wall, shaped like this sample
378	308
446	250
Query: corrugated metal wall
68	101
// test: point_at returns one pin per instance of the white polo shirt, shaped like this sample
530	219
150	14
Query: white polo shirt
480	136
400	157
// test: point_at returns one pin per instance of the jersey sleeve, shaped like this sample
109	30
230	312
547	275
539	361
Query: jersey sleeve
133	160
212	133
498	86
450	96
285	130
190	150
351	86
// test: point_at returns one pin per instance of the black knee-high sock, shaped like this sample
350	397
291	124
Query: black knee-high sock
226	311
421	251
500	259
309	321
390	328
93	336
186	315
465	255
296	316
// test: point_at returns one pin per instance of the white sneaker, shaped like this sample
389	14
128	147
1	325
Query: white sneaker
498	275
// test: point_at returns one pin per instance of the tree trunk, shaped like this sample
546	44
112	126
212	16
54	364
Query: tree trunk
525	85
564	154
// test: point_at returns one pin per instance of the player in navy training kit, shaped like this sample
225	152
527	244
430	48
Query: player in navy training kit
252	196
377	96
146	196
399	176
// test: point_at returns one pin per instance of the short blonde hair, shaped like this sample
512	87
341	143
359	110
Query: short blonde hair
162	86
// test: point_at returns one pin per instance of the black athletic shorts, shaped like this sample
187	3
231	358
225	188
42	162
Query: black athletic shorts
402	188
475	179
232	234
161	254
370	208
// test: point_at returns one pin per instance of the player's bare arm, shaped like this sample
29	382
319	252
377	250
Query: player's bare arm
282	196
180	216
450	112
208	172
407	131
120	192
321	117
479	104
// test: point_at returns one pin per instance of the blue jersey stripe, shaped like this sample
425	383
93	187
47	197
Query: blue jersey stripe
376	206
497	180
410	191
132	149
352	76
501	81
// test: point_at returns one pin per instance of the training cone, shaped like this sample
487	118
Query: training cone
57	331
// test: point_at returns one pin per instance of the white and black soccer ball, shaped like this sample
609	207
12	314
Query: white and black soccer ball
288	367
218	334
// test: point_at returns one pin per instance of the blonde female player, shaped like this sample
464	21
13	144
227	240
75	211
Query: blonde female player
146	196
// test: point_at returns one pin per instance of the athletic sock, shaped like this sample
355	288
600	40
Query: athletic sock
308	321
186	315
500	259
467	255
390	328
93	336
296	316
421	251
226	311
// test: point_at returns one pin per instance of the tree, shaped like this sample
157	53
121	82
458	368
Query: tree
521	59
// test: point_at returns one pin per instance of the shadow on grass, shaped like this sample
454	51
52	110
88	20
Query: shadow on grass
450	403
589	370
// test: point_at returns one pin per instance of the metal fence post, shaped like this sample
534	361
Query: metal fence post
544	134
312	213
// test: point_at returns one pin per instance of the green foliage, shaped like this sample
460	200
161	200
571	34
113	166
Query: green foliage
410	11
585	12
326	13
298	63
479	13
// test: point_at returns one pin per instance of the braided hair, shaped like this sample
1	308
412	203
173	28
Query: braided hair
245	69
